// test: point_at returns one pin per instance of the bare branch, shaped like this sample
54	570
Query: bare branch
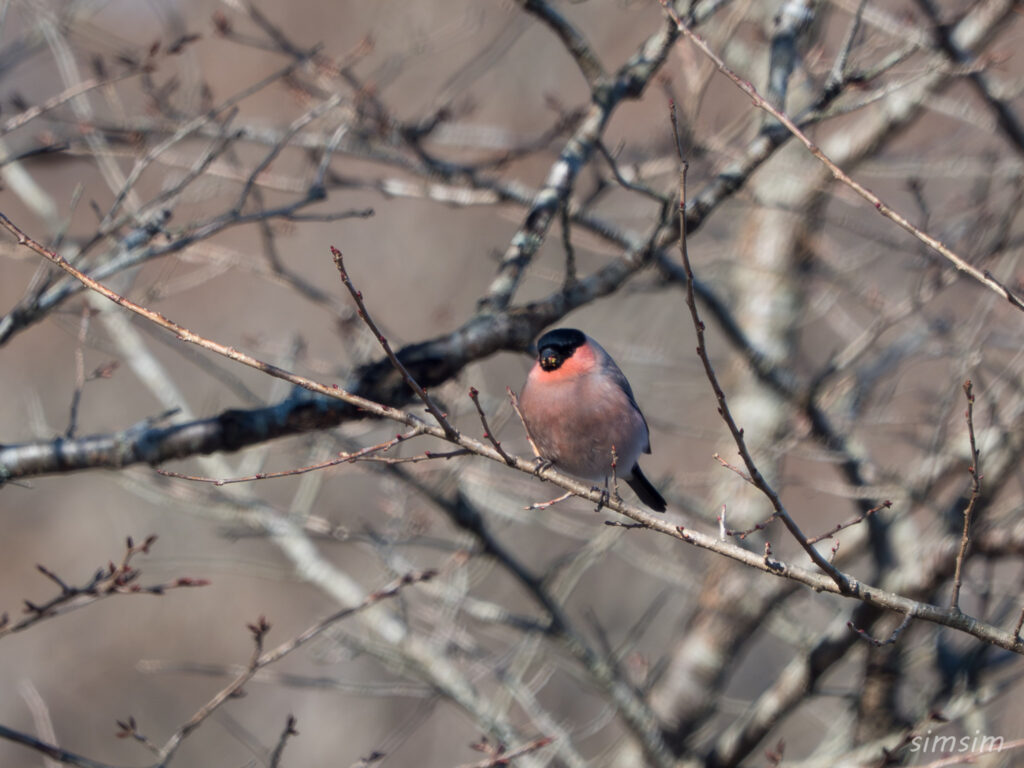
441	418
262	659
889	640
113	579
474	395
974	470
287	733
723	409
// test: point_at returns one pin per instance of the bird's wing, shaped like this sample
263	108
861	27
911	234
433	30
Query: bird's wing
620	379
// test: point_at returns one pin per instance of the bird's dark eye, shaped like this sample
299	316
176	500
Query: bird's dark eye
549	359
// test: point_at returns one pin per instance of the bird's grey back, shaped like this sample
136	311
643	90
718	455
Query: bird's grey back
612	370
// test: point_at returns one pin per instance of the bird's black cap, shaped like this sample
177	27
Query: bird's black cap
563	339
556	346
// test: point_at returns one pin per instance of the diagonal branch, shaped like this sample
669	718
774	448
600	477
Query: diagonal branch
756	478
357	296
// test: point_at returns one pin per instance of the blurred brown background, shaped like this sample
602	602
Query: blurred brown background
867	326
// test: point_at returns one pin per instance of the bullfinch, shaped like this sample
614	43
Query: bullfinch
577	405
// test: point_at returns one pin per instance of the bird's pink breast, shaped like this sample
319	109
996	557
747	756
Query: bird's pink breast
576	418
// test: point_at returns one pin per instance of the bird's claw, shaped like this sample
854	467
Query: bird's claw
540	464
602	501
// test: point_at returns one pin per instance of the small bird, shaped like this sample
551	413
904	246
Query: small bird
578	405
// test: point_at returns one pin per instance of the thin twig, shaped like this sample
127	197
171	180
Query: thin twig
633	186
738	470
502	757
343	458
724	531
474	395
425	456
889	640
130	730
542	505
357	295
288	732
512	398
628	526
954	600
850	523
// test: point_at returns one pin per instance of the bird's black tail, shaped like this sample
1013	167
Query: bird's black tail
648	493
